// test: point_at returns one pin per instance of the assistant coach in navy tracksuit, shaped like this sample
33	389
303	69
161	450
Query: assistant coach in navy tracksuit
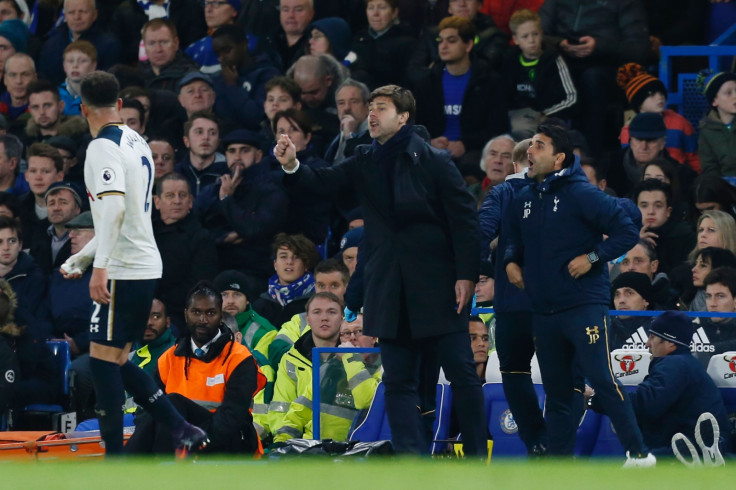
556	238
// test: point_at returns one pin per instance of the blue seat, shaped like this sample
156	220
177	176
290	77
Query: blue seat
501	424
374	426
586	436
63	358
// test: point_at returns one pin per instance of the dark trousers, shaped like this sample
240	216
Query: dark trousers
515	347
405	363
579	337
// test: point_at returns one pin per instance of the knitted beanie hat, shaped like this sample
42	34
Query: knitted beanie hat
638	84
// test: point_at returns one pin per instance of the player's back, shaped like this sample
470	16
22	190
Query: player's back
119	163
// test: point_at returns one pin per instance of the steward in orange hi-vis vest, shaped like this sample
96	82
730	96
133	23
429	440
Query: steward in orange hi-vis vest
223	380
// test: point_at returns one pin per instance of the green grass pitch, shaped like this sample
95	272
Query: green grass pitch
376	473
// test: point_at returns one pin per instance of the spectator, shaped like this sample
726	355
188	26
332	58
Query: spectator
11	152
349	247
706	260
187	252
480	342
381	48
196	93
720	297
291	40
642	258
130	16
501	11
240	86
630	291
330	35
670	236
80	58
13	39
163	157
497	160
20	71
716	139
80	17
67	148
208	351
461	101
48	118
646	93
202	165
292	284
63	202
281	93
666	171
157	339
351	99
538	81
45	167
8	205
244	209
216	15
134	116
165	65
711	192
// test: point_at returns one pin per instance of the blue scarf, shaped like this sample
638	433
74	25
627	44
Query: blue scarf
285	294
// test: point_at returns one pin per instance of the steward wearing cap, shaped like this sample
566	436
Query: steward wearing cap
716	141
677	389
630	291
244	209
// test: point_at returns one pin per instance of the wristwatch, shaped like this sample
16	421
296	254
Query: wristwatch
592	257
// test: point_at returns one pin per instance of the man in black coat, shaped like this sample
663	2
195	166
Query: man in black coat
421	262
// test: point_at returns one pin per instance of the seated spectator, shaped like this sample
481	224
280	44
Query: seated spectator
643	259
461	100
497	160
14	37
330	35
501	11
11	179
706	260
595	175
291	39
331	276
67	148
79	17
163	157
349	246
202	165
47	116
647	143
188	253
216	15
537	80
80	58
63	202
665	171
345	381
9	205
134	116
307	214
44	167
20	71
244	209
282	93
481	344
208	351
716	141
351	99
165	65
24	275
163	113
130	16
646	93
630	291
672	237
720	297
157	339
710	192
26	361
677	389
381	48
290	287
196	93
240	86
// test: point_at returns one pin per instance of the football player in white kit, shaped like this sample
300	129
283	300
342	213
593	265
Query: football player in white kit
126	265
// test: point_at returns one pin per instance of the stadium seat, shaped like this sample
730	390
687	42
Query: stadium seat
630	366
587	433
607	443
501	425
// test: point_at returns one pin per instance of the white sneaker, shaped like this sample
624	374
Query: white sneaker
711	454
694	460
647	461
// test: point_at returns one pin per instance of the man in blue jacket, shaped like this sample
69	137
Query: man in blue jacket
557	253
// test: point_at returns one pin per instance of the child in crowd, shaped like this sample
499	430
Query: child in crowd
717	142
538	80
80	58
646	93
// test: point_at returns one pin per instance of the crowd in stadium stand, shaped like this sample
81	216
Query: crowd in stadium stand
210	84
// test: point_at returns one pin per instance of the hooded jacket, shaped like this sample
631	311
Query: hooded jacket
556	220
717	146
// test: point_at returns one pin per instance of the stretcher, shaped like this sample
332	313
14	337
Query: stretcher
47	445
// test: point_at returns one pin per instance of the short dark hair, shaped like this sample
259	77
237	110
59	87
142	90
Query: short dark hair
722	275
333	265
133	91
99	89
232	31
326	295
293	116
135	104
12	224
175	176
200	115
598	171
10	201
475	318
40	86
560	141
402	98
286	84
45	150
718	257
465	28
163	305
652	185
299	245
204	289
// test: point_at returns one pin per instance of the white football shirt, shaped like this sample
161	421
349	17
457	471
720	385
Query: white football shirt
119	163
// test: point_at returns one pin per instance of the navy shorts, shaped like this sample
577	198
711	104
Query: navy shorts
124	319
